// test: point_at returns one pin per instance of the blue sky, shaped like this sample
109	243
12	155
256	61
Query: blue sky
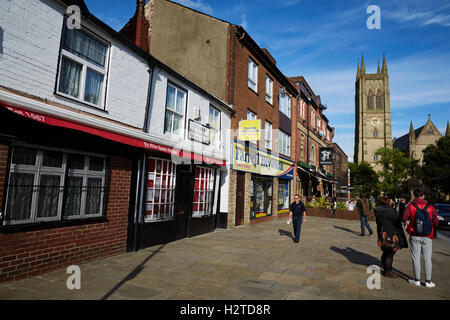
323	41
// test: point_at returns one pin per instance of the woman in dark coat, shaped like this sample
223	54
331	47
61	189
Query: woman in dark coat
389	221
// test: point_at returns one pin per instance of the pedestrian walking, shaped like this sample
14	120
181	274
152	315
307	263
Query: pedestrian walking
297	214
423	220
364	207
333	207
391	237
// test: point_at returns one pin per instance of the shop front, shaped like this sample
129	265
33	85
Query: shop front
265	184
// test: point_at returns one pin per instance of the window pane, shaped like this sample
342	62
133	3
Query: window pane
176	124
94	87
73	187
75	161
48	196
24	156
85	46
52	159
168	122
20	192
69	82
94	193
96	164
170	97
180	102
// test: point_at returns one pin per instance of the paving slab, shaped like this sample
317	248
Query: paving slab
254	262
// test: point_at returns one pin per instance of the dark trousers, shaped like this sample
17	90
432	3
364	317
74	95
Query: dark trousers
297	224
365	224
333	213
387	258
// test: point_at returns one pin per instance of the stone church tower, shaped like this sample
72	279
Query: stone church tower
372	113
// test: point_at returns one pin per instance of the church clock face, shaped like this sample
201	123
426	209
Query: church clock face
375	121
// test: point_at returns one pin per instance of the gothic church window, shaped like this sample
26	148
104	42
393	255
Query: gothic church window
375	132
379	102
370	101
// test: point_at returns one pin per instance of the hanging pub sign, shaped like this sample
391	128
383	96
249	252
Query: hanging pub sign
198	132
326	156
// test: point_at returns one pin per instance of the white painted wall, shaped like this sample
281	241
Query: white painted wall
30	51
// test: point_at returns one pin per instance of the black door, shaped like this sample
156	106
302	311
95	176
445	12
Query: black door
183	199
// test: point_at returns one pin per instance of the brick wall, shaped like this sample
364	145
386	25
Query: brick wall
26	254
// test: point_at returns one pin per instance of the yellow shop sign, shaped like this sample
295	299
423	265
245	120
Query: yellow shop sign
249	130
254	160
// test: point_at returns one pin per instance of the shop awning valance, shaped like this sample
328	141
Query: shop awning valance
147	145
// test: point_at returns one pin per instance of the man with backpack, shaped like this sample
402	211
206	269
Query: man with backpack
422	221
364	207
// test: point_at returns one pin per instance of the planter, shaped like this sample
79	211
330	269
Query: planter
340	214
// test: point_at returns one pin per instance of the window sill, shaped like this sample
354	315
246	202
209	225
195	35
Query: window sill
269	103
16	228
83	103
252	90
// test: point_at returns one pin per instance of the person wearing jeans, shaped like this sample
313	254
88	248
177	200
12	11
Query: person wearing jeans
364	207
297	214
420	244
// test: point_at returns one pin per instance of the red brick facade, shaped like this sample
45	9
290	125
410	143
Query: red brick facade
30	253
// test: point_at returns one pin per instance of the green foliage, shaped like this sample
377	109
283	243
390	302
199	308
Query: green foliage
341	206
396	168
363	178
435	171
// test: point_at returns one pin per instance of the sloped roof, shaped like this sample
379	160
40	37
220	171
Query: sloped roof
402	143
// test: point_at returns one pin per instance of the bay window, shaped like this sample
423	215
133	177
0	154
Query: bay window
47	185
203	192
83	67
160	201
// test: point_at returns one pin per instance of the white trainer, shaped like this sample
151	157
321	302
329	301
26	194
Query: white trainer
414	282
430	284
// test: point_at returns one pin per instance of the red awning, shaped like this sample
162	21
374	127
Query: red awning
113	136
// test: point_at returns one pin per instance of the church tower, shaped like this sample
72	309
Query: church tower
372	113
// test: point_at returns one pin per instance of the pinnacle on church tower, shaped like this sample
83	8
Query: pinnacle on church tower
447	132
357	71
378	69
384	67
363	67
412	135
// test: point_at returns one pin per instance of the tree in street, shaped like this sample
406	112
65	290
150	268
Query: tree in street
363	178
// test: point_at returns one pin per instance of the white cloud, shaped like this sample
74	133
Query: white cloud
418	13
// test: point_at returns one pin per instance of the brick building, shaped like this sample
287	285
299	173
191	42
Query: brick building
224	59
94	134
313	133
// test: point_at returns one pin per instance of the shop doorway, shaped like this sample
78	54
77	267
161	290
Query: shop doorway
183	203
240	198
261	197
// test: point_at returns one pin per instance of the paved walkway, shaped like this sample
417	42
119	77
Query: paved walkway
249	262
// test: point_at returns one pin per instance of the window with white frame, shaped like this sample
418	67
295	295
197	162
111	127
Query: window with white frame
284	143
269	90
161	180
203	192
175	108
302	144
313	116
251	115
252	75
285	104
318	123
47	185
214	125
302	108
312	156
83	67
268	135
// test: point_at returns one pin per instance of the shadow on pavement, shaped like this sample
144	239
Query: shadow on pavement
361	258
444	254
285	233
132	274
348	230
